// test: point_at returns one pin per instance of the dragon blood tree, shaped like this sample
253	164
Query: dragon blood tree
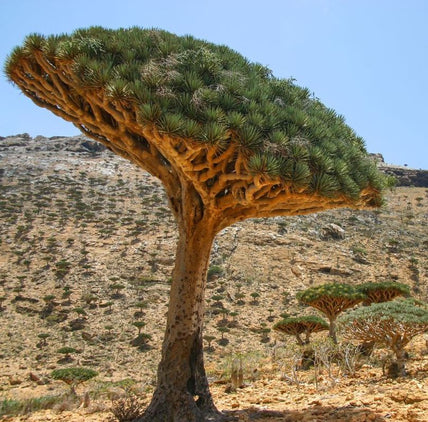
228	141
301	325
331	299
389	324
383	291
73	376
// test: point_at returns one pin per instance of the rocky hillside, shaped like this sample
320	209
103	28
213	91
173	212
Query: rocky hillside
404	175
87	246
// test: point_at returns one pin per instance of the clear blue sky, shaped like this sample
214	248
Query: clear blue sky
367	59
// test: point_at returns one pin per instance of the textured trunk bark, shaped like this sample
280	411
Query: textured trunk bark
332	329
182	393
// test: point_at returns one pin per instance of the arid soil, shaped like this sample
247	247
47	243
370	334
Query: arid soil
87	246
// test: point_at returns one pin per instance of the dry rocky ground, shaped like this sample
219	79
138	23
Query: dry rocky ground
85	237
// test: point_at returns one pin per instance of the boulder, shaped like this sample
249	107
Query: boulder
332	231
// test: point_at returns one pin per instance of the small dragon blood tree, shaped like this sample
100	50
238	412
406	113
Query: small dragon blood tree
73	376
383	291
228	141
301	325
331	299
389	324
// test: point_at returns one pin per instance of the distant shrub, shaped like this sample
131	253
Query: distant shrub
73	376
128	409
139	325
66	351
214	271
209	339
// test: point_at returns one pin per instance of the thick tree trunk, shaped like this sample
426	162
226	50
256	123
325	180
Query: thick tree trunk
332	328
299	339
398	368
182	393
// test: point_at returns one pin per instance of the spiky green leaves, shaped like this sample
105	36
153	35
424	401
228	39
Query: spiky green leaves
171	123
249	138
267	165
214	133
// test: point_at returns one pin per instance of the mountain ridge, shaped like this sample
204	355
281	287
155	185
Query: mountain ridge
405	176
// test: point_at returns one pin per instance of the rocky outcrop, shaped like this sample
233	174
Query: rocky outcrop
332	231
78	143
405	176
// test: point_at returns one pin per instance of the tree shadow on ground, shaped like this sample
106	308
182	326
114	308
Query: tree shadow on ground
315	413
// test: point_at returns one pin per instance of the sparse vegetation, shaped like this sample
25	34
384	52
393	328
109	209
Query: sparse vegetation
113	354
11	407
128	409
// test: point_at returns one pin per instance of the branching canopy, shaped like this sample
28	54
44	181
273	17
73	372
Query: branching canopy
197	114
383	291
391	324
301	325
331	298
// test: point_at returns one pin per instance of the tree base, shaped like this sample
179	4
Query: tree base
182	408
395	370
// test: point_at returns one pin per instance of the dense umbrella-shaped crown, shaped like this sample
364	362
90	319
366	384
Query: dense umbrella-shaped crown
334	297
187	109
383	291
301	324
390	324
305	324
74	375
331	299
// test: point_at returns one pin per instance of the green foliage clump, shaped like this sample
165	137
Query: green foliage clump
66	350
194	89
329	290
409	312
139	325
215	271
